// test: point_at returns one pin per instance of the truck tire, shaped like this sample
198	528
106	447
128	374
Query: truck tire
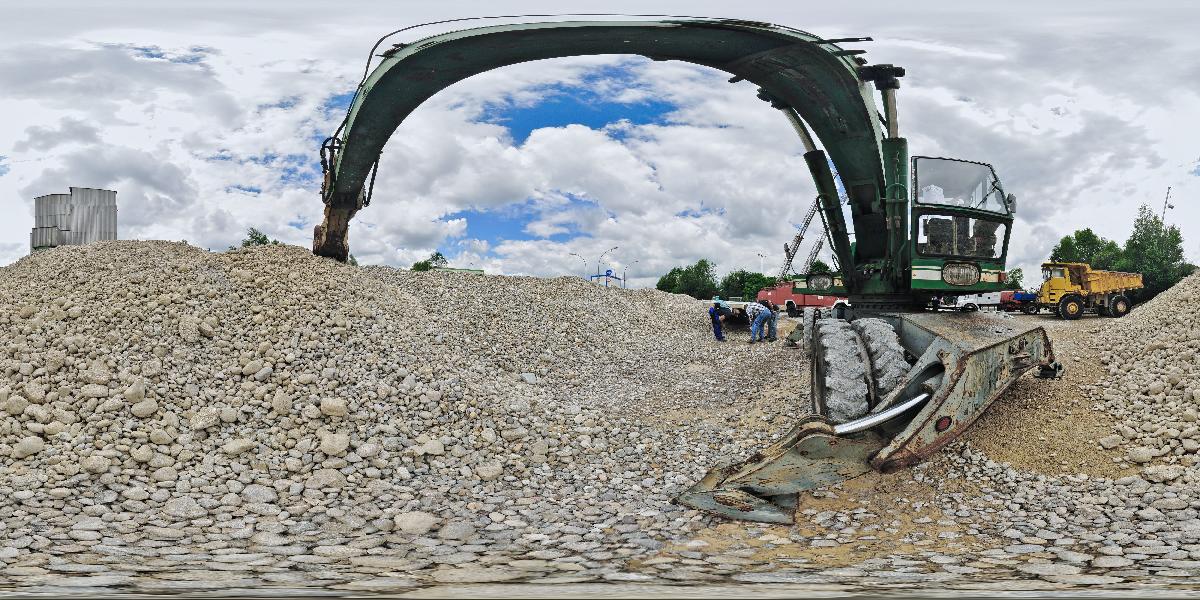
1070	307
888	366
970	307
1030	308
792	310
1120	307
839	373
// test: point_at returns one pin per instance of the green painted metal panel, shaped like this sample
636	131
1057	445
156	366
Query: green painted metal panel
791	65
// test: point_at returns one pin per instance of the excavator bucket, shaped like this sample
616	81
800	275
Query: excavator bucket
962	363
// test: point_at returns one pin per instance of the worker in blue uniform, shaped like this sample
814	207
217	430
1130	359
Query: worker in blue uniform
714	313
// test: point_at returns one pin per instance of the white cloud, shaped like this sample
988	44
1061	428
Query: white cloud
185	109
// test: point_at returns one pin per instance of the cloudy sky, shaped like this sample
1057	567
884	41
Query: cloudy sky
206	118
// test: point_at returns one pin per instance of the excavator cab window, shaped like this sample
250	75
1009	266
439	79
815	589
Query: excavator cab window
960	236
958	183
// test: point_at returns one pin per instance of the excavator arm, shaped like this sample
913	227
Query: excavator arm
816	78
889	387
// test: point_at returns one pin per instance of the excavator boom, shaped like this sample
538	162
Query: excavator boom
816	77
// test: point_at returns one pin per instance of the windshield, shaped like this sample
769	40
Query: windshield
1057	273
960	236
958	183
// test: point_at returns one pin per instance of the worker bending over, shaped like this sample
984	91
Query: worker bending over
771	319
758	315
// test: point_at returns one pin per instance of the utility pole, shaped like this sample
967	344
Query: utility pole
1166	205
761	256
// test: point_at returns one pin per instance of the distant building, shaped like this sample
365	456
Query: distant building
83	216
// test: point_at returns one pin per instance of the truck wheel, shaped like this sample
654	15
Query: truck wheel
1120	307
1070	308
1030	309
888	366
839	374
792	310
970	307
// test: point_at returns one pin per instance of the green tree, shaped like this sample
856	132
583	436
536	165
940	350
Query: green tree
1065	251
254	237
1016	278
1107	256
670	281
819	266
698	280
1155	250
434	261
734	283
755	283
744	283
1084	246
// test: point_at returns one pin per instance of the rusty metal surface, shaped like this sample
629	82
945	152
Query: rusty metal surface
763	487
964	361
981	361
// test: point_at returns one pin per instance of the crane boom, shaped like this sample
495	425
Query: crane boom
789	251
813	255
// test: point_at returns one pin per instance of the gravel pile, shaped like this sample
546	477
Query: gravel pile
166	404
1152	382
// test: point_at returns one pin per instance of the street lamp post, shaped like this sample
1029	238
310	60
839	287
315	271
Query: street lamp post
602	258
585	269
761	256
625	274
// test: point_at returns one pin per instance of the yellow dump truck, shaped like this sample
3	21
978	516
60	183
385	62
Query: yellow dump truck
1071	289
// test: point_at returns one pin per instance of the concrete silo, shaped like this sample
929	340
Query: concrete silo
83	216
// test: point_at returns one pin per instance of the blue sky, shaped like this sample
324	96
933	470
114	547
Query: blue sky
558	106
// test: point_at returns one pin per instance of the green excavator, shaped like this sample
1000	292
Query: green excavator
892	381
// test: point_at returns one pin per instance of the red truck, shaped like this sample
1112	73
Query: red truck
782	296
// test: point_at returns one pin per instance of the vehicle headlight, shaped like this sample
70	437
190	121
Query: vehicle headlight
960	274
820	281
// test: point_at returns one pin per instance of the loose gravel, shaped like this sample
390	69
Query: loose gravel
158	397
175	420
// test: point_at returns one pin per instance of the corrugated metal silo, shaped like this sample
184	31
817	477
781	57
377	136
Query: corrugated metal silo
85	215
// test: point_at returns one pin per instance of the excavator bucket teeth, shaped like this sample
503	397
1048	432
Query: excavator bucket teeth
764	487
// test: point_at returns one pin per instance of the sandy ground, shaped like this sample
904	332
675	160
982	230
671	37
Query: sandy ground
1056	414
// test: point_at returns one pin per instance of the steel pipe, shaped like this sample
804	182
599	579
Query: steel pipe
870	421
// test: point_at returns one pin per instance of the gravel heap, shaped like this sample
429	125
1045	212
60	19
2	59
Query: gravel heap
1152	383
163	402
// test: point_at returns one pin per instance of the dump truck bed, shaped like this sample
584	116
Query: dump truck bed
1104	282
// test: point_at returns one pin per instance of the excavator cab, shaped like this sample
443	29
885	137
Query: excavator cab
961	219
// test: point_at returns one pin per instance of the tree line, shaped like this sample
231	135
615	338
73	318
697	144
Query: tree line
699	280
1153	249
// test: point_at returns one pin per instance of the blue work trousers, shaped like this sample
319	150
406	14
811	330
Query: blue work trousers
716	324
756	328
